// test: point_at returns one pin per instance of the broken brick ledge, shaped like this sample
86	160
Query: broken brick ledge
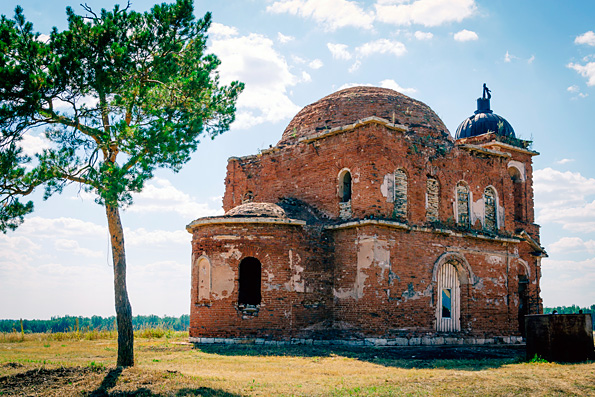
376	342
243	219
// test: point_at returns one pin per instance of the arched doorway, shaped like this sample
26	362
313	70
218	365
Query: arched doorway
249	283
448	309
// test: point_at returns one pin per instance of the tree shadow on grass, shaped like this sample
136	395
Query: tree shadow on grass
111	379
470	358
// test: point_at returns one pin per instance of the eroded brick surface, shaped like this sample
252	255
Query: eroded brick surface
367	268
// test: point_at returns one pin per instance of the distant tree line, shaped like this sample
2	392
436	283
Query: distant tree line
73	323
574	309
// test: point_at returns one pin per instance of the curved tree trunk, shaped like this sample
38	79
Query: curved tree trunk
123	308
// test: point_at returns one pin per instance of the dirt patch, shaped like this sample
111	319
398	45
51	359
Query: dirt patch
48	381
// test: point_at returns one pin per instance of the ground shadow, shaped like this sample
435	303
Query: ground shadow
463	357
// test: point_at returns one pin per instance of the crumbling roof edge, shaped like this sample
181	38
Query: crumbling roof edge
534	244
510	147
242	219
489	152
349	127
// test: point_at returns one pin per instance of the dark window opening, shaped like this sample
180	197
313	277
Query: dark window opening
518	188
446	303
250	272
523	302
346	188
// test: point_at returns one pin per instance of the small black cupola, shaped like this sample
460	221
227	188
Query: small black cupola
484	120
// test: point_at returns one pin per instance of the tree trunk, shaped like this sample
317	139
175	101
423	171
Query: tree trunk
123	308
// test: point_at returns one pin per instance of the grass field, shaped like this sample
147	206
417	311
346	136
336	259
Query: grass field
83	364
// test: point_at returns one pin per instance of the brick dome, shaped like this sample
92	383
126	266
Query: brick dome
269	210
352	104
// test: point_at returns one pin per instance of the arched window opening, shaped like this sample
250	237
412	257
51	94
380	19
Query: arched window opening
345	187
518	190
432	199
204	279
448	310
345	192
523	302
463	205
490	215
250	275
400	199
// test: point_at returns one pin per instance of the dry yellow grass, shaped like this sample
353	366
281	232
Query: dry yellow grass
167	366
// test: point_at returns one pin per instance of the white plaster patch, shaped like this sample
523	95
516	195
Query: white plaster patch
296	282
232	253
370	251
388	187
494	259
222	281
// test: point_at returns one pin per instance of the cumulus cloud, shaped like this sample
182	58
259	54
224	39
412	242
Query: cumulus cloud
73	247
219	30
315	64
564	161
424	12
393	85
381	46
566	282
284	39
253	60
572	244
587	70
573	89
32	144
423	35
160	196
339	51
388	83
586	38
467	35
565	198
331	14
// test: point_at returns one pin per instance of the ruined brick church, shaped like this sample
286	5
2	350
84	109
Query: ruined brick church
369	224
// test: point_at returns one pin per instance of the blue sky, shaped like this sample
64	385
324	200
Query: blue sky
537	57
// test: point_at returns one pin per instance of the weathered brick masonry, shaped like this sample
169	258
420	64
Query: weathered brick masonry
367	221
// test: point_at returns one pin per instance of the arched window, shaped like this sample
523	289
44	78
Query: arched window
250	274
204	279
432	199
400	200
345	186
463	205
448	310
490	215
518	190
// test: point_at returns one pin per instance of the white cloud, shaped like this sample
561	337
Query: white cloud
253	60
571	244
316	64
586	38
531	59
218	30
566	282
423	35
306	78
587	70
160	196
339	51
331	14
73	248
32	144
353	68
381	46
388	83
507	57
564	161
424	12
565	198
573	89
466	35
393	85
284	39
142	236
